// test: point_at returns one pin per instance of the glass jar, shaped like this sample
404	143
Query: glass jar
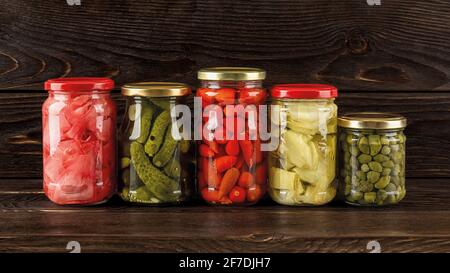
372	159
231	165
79	141
156	158
302	168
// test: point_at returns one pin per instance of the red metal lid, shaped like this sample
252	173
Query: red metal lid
79	84
304	91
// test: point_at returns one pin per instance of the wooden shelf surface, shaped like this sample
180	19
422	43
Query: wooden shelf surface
31	223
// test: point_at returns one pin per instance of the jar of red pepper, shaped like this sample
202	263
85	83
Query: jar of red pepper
231	165
79	143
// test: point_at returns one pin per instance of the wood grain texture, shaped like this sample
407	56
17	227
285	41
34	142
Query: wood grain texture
427	145
400	45
30	223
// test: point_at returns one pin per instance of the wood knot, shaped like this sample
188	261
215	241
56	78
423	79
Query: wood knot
357	43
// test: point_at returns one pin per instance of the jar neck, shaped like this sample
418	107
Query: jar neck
303	100
64	95
368	130
231	84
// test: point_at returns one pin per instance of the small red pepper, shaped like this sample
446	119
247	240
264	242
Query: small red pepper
228	181
254	193
224	163
210	174
210	195
214	146
247	151
258	153
252	96
232	148
207	96
205	151
261	174
225	96
239	162
246	180
237	195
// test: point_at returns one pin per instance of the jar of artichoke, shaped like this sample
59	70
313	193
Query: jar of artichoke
302	168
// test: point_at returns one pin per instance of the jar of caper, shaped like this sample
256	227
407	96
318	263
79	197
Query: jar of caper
372	158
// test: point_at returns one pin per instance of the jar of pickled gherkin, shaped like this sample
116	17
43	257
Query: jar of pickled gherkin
372	160
303	165
156	157
231	165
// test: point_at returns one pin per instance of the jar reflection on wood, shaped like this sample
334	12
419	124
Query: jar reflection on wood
156	165
372	158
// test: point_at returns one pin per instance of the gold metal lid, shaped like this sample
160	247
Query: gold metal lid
156	89
372	120
231	74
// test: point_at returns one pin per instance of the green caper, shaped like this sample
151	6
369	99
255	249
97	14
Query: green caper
375	144
354	151
381	158
395	148
388	164
397	157
363	145
385	140
354	163
364	158
356	195
365	186
375	166
391	199
351	139
348	189
348	180
386	171
396	170
365	168
382	182
373	176
370	197
395	180
381	195
386	150
390	188
354	181
347	156
361	175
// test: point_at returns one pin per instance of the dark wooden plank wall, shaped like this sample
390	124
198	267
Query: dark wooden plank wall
393	57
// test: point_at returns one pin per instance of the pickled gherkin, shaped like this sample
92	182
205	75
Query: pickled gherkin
382	159
142	113
302	170
156	138
165	153
153	168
